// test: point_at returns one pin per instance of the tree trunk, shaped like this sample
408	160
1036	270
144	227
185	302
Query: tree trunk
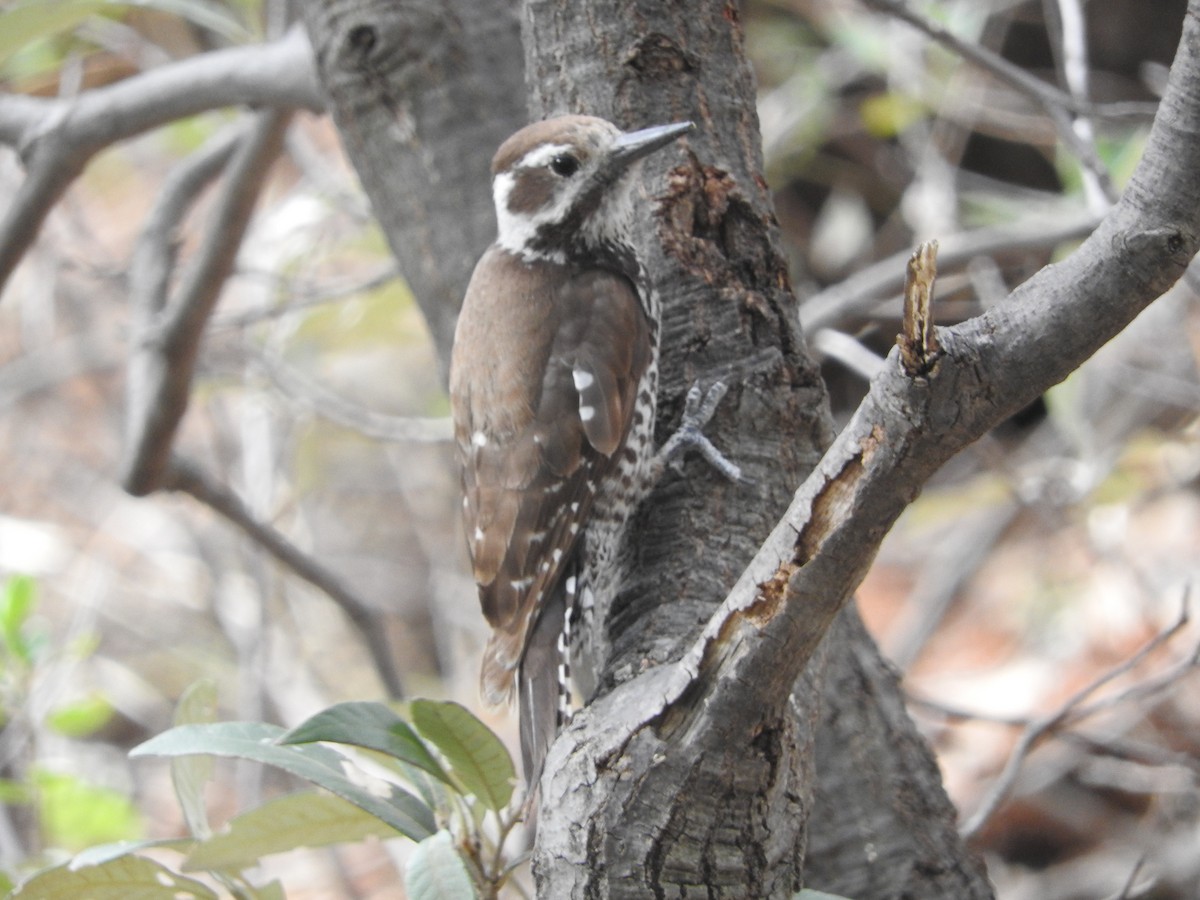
670	806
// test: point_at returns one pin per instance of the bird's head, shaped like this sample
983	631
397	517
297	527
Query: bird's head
561	186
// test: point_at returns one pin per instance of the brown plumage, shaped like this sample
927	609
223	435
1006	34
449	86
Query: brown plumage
531	461
552	384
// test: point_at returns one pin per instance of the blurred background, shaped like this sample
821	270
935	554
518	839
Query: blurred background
1040	563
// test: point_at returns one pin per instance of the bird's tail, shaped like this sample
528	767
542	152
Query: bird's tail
544	679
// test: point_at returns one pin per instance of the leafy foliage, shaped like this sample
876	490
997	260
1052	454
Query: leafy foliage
460	825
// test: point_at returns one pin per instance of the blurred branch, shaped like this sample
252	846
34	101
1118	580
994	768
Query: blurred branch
947	568
43	367
182	475
329	405
167	332
300	295
1045	95
864	289
1068	33
1057	104
57	137
1127	889
850	352
1074	709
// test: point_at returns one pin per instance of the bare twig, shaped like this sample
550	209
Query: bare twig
329	405
57	137
948	567
184	476
48	366
1066	17
1058	105
851	353
873	284
1072	710
168	333
300	295
1127	889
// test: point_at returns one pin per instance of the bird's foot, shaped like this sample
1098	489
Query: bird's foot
698	408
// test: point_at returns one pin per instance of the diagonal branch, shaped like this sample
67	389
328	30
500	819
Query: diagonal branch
57	137
184	476
991	366
1072	710
1058	105
167	333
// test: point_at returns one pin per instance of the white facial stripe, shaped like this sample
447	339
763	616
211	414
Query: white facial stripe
540	156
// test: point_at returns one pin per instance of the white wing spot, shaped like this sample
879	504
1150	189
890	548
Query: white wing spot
583	379
479	439
571	585
587	413
478	534
557	554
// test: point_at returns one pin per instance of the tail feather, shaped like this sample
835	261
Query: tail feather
539	691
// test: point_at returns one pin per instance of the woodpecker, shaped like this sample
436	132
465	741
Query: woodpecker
553	382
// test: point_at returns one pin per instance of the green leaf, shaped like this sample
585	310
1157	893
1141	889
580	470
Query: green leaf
25	23
370	725
320	765
81	718
123	878
272	891
435	793
190	774
75	814
476	756
15	793
103	853
435	871
16	603
296	820
33	20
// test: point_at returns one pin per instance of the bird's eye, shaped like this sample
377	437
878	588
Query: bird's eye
564	165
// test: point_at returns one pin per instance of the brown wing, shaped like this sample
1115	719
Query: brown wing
544	377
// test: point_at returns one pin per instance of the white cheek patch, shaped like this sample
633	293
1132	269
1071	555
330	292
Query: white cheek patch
515	232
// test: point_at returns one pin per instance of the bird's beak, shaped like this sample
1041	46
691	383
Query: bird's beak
633	145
